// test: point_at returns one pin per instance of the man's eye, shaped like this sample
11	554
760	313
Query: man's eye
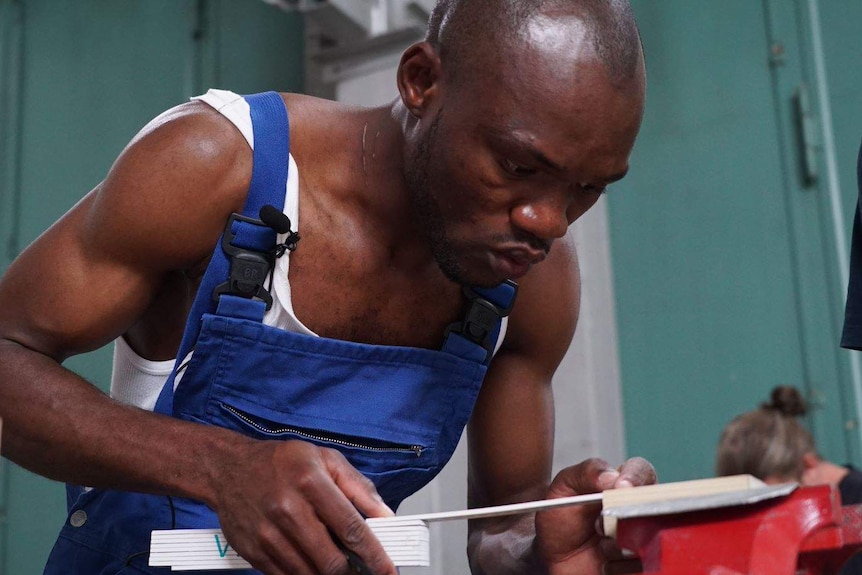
517	170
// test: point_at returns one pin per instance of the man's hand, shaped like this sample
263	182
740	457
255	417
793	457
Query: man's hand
568	539
281	507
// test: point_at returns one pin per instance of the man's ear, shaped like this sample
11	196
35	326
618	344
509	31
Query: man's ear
810	460
419	76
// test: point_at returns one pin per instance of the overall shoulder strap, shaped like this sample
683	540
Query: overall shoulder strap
268	184
475	337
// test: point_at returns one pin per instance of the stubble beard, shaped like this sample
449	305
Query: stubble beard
426	209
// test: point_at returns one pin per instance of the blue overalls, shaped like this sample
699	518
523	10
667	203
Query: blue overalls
396	413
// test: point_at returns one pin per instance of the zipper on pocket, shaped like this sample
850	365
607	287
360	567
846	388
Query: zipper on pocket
325	436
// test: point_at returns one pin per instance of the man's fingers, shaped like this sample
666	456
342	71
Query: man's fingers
277	555
573	535
353	532
636	471
346	523
314	522
287	560
589	476
356	487
293	519
328	559
594	475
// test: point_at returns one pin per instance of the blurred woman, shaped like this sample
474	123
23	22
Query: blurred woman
772	444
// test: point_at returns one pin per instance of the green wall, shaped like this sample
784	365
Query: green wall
726	269
840	21
726	273
77	80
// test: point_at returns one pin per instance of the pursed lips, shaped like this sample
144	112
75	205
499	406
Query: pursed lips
525	254
515	262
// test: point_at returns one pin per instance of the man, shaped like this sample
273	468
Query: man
513	116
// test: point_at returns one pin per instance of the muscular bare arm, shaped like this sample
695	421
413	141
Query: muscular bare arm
90	278
511	439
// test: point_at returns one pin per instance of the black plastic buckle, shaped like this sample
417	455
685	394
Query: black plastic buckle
249	269
479	323
472	294
481	319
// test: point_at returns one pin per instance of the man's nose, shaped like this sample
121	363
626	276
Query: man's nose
545	218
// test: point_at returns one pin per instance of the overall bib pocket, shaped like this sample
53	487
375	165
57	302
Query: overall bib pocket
367	453
273	430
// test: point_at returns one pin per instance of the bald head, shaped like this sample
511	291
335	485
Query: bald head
466	31
516	114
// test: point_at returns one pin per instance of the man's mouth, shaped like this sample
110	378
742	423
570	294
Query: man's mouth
515	262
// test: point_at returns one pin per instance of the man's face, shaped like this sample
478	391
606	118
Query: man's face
508	161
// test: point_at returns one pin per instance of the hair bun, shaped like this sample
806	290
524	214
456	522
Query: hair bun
787	400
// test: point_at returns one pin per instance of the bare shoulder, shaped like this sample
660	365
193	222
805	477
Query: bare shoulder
546	312
185	171
314	119
194	129
312	108
325	138
159	210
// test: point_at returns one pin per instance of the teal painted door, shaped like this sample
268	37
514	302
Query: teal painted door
842	51
77	80
725	261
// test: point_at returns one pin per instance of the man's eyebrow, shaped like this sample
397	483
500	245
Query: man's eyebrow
539	156
522	142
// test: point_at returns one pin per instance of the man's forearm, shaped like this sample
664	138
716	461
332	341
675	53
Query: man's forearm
60	426
505	548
